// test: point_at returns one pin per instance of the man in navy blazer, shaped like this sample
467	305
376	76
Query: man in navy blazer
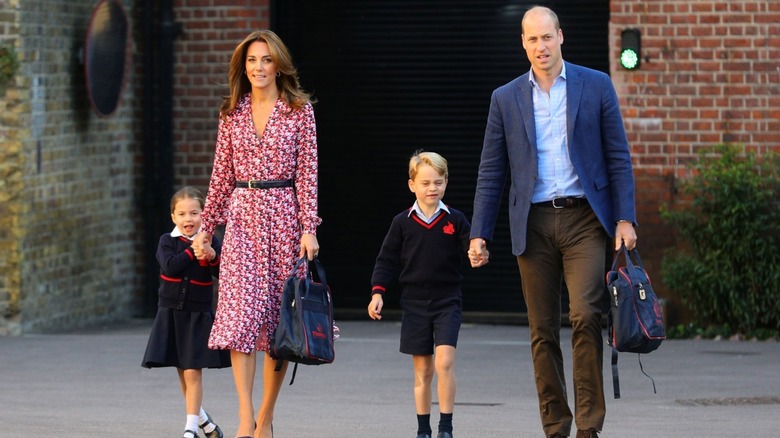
558	132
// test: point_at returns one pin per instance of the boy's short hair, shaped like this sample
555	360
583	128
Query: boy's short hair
432	159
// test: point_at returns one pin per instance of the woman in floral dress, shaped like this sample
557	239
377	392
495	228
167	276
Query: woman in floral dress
264	189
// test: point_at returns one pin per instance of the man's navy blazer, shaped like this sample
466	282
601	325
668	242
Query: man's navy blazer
597	146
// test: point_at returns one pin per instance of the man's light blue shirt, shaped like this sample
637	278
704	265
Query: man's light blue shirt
557	177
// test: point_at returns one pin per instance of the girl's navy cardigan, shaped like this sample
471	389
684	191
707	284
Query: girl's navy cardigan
185	284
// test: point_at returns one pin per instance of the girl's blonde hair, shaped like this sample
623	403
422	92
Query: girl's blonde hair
432	159
287	82
188	192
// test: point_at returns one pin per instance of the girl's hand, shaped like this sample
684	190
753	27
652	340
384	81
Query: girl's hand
205	252
201	244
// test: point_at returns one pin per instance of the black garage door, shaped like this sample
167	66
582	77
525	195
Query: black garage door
395	76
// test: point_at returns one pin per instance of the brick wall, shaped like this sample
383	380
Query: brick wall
68	216
710	74
70	230
211	30
10	182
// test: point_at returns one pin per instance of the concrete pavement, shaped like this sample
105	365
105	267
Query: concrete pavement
90	384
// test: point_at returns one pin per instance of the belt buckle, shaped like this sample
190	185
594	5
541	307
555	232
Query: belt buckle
559	206
251	184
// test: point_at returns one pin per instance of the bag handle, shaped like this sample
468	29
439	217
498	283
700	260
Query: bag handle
316	264
630	264
320	270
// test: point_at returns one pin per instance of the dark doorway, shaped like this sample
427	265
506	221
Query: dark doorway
395	76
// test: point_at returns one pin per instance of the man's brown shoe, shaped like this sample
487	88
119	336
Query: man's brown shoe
590	433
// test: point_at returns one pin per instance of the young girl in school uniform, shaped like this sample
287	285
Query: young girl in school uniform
185	313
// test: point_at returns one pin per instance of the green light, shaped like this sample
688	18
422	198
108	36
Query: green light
629	59
630	49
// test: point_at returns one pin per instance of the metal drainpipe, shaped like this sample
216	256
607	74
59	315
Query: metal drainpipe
169	31
158	137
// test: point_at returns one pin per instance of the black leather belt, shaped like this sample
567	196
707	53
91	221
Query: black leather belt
260	184
569	202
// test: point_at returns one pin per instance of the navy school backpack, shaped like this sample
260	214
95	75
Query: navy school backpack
635	321
305	331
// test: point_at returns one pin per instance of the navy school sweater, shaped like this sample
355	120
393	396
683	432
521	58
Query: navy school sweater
184	283
428	259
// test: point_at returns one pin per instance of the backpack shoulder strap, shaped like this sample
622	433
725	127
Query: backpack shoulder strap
278	367
615	376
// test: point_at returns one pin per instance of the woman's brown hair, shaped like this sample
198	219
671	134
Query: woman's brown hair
287	82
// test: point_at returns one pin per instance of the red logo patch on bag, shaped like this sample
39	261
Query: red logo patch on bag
319	332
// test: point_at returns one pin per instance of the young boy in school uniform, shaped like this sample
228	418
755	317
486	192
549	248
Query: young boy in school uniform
426	247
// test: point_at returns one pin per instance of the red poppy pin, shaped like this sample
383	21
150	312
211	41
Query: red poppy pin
449	228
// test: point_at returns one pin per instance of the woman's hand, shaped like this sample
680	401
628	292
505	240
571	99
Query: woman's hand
201	244
309	246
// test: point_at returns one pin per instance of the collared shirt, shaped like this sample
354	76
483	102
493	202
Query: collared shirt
177	233
416	209
557	177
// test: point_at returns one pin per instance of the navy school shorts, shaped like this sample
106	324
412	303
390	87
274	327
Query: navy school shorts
426	323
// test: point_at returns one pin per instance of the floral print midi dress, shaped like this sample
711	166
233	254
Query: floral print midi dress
262	226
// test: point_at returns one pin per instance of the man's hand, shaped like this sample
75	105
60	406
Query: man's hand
478	253
625	233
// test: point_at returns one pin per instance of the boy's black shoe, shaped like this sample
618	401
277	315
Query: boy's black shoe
423	435
444	435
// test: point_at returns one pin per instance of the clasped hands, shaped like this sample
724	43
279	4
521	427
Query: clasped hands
478	253
202	247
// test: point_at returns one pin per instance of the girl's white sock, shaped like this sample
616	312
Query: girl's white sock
192	424
203	417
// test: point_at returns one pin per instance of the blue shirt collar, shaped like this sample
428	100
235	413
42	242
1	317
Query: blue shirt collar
532	79
416	209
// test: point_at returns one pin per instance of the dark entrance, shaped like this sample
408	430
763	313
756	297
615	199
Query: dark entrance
395	76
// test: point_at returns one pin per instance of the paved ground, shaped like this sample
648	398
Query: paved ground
91	384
